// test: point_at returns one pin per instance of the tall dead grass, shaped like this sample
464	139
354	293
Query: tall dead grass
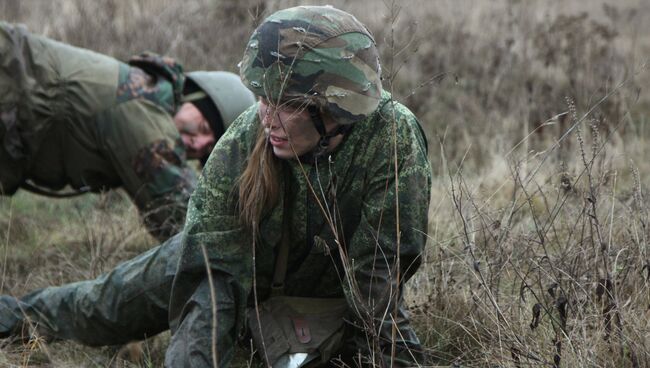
538	249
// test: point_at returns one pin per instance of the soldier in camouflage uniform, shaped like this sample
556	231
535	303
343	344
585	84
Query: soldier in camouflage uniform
72	117
351	178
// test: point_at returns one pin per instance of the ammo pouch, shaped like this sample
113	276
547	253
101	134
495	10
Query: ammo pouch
289	325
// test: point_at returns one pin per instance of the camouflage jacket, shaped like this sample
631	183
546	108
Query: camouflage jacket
72	117
356	184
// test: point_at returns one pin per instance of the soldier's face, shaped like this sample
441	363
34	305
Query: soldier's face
290	130
195	131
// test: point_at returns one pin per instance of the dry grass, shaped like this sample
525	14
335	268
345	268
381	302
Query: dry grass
538	249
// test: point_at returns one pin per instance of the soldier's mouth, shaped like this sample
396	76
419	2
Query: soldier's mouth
277	141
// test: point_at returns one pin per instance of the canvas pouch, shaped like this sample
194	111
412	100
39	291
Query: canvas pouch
289	325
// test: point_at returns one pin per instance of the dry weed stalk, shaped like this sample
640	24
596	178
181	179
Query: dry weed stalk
534	239
569	299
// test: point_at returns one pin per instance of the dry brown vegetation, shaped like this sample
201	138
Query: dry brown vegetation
536	116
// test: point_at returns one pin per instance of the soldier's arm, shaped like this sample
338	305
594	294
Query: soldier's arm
145	148
212	224
395	204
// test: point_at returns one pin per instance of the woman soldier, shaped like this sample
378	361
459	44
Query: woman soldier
319	191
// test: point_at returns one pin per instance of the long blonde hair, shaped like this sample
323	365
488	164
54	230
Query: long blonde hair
259	183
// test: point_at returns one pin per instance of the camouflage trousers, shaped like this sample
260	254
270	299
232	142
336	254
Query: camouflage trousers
129	303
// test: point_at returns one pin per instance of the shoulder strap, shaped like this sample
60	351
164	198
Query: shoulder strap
280	270
30	187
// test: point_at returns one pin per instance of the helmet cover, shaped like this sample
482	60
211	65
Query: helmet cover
317	55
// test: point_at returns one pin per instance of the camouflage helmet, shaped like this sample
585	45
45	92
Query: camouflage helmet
226	91
315	54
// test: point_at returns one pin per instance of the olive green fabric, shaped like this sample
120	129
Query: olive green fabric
289	325
357	184
72	117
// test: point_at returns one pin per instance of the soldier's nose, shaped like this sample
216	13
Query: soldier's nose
271	121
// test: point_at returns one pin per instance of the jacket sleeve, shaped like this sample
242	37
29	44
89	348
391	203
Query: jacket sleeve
146	151
212	224
386	247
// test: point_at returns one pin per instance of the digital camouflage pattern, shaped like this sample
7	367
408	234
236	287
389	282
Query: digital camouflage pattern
318	54
357	185
126	304
374	188
69	116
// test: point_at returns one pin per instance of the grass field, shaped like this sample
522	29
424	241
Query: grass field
536	114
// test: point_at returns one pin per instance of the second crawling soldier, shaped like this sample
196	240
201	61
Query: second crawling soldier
70	117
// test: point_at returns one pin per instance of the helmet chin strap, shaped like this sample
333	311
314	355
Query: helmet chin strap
324	141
